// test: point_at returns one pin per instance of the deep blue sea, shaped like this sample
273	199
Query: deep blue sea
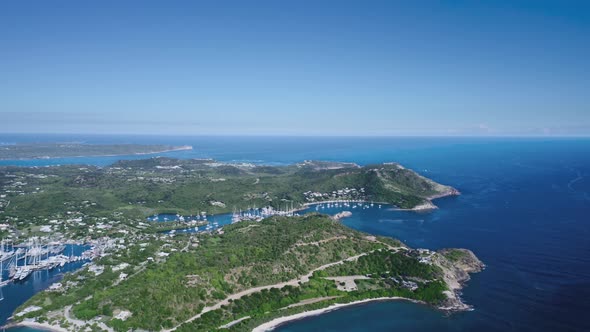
524	211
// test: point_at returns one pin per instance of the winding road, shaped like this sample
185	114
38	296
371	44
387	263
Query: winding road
293	282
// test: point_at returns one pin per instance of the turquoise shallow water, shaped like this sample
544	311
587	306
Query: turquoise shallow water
523	210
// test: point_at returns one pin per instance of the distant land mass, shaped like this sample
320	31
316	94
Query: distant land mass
139	188
62	150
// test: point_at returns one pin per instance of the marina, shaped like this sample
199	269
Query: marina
18	262
200	223
344	204
217	221
16	292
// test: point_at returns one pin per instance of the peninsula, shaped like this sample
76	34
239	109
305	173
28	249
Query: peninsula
246	275
139	188
255	273
64	150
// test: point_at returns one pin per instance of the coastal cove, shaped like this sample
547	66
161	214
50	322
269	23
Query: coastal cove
339	210
278	322
521	211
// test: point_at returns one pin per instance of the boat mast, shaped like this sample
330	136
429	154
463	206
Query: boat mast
1	273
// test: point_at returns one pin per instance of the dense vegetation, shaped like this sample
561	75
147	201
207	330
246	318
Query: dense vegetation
383	262
454	255
266	305
138	188
205	269
154	281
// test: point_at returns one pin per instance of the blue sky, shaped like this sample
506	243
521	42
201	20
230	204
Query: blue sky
296	67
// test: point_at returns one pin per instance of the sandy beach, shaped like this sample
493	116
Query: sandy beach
269	326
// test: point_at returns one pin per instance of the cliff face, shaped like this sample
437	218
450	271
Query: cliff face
456	264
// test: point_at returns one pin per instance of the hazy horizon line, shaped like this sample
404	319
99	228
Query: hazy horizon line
304	135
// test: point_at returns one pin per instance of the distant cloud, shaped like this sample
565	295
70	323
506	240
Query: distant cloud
484	127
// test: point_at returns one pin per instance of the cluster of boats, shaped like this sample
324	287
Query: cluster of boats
345	204
18	273
256	214
178	217
21	261
208	227
251	214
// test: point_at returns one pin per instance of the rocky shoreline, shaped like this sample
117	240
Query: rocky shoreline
343	214
450	192
428	205
456	274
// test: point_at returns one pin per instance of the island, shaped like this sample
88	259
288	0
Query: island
272	263
63	150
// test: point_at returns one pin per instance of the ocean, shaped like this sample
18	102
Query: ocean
524	211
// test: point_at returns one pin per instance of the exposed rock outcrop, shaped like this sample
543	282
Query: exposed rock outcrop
456	264
343	214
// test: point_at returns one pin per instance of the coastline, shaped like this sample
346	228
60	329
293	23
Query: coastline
429	205
426	206
273	324
304	206
36	325
180	148
343	201
450	192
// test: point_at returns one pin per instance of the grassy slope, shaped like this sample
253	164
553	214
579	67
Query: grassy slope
247	255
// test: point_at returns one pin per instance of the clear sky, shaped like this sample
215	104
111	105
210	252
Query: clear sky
296	67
